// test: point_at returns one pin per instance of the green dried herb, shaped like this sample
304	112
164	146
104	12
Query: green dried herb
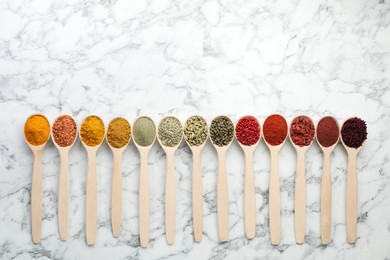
170	131
195	131
221	130
144	131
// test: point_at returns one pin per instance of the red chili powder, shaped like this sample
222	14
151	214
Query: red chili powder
248	130
64	130
302	131
275	129
327	131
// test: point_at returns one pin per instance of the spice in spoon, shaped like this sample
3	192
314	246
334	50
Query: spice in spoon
37	130
144	131
354	132
170	131
64	131
275	129
92	131
195	131
327	131
118	132
302	131
221	131
248	130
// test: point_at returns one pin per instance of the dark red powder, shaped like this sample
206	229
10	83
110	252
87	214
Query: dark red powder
354	132
275	129
302	131
327	131
248	130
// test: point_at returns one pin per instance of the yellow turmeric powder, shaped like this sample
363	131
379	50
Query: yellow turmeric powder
37	130
92	131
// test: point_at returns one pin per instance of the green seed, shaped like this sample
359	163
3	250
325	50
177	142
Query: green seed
170	131
195	131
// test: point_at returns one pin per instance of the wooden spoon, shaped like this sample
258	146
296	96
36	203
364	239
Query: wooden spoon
300	188
116	186
274	189
144	215
222	190
170	186
326	191
91	192
36	188
249	187
63	184
197	193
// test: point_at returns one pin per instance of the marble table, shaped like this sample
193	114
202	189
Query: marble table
157	58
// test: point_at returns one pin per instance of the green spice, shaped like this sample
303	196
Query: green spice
144	131
195	131
221	130
170	131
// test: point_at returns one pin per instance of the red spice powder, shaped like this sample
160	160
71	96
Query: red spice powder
275	129
327	131
248	130
64	130
302	131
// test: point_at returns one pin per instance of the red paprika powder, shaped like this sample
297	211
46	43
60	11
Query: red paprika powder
302	131
248	130
327	131
275	129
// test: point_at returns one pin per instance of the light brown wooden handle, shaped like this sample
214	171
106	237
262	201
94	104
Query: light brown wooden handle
222	199
144	215
274	199
91	200
36	198
197	197
63	196
326	198
116	195
170	200
249	197
300	198
351	200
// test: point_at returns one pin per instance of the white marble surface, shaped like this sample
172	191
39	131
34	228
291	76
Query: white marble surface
159	57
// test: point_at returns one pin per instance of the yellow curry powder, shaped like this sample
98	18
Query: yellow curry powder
119	132
92	131
36	130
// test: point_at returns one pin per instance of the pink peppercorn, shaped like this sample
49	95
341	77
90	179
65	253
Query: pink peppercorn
248	130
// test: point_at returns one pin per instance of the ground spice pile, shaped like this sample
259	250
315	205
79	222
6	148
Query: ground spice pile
302	131
144	131
64	130
354	132
248	130
170	131
195	131
37	130
221	130
327	131
118	132
275	129
92	131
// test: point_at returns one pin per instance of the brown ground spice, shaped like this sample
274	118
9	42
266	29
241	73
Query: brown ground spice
119	132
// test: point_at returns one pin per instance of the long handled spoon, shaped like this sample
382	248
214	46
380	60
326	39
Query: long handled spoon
170	134
36	184
302	132
327	136
275	132
248	137
118	137
92	136
195	135
221	134
64	134
144	133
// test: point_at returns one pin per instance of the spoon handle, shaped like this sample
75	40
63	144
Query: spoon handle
197	197
351	200
274	199
300	198
36	198
222	199
249	197
63	197
91	200
116	194
144	200
170	200
326	196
